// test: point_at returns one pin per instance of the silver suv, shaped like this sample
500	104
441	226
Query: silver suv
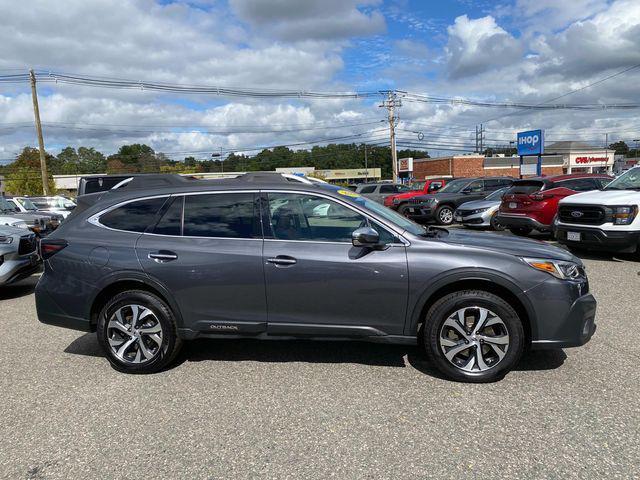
18	256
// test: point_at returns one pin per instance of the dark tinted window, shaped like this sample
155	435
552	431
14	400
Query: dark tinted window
579	184
307	217
603	182
101	184
134	216
525	187
368	189
388	189
171	221
228	215
476	186
496	183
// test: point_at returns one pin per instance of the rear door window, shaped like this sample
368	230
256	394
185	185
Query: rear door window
171	221
134	216
388	189
221	215
579	184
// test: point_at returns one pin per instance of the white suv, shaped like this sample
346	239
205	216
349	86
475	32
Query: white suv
604	219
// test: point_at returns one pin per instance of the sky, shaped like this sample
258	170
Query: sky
526	51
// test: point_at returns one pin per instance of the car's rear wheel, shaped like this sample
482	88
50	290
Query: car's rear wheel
473	336
138	333
520	231
444	215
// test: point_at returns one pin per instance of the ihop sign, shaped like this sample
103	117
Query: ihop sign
531	142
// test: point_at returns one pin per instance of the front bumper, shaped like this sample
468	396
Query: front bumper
565	314
482	219
419	212
510	220
597	239
19	267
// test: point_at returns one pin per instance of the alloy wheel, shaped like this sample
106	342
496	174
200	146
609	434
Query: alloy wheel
446	216
134	334
474	339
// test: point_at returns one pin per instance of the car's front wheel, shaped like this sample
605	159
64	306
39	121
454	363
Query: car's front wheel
444	215
137	331
473	336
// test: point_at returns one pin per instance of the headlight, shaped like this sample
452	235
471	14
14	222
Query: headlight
5	239
624	215
480	210
558	268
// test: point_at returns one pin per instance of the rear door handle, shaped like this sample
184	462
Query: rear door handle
162	256
282	260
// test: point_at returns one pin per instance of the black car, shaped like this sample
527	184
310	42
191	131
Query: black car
441	205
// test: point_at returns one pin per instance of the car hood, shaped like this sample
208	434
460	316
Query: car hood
29	217
439	197
603	197
12	231
474	205
405	195
521	247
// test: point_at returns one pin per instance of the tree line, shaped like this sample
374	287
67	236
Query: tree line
22	176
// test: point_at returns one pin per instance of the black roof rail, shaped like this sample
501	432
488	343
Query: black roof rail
266	177
153	180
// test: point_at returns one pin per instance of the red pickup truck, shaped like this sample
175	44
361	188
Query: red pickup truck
422	187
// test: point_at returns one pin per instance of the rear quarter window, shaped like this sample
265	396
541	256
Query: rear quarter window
135	216
368	189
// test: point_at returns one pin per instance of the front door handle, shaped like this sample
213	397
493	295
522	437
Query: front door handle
282	260
162	256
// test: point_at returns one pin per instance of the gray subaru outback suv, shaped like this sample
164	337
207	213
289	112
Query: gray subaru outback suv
167	259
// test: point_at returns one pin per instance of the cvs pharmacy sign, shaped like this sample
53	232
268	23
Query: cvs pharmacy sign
531	142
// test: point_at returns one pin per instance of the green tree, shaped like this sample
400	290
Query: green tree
620	147
23	176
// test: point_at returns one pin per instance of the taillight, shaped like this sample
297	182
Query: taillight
49	247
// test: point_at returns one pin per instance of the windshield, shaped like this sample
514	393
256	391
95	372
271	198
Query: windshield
6	206
26	203
498	194
454	186
630	180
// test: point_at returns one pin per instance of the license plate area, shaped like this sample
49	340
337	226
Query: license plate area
513	205
573	236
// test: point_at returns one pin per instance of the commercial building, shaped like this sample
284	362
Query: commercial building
579	157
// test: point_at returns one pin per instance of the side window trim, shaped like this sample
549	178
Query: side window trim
95	218
267	219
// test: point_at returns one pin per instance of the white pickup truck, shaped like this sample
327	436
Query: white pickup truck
604	219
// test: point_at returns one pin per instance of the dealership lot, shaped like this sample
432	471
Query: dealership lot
319	409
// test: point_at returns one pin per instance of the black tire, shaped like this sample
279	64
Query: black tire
162	315
495	224
444	215
403	210
434	327
521	231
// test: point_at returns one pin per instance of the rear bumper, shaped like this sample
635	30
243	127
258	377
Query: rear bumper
597	239
51	313
510	220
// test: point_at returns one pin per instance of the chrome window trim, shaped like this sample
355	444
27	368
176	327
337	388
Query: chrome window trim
95	218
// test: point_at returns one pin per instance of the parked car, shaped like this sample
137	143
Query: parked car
153	266
481	213
440	206
425	187
532	203
25	205
604	219
378	191
41	224
57	204
18	256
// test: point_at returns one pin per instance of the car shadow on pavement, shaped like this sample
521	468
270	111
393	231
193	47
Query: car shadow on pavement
308	351
19	289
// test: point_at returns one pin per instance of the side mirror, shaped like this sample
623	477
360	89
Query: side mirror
365	237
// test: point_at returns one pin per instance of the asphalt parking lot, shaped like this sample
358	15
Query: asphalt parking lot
245	409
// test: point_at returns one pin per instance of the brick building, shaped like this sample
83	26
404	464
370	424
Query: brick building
481	166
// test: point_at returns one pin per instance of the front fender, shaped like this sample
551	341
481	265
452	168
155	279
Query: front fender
452	277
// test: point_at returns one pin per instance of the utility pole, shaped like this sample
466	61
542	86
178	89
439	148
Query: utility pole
481	138
476	139
390	104
36	113
366	168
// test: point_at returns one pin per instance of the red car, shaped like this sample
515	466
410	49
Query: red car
423	187
532	203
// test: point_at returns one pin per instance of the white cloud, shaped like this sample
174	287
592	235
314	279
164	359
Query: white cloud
478	45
